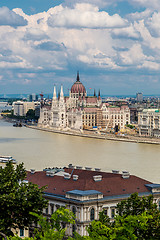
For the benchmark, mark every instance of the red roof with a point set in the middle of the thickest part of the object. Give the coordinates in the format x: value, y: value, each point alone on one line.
x: 111, y: 184
x: 91, y: 99
x: 90, y: 109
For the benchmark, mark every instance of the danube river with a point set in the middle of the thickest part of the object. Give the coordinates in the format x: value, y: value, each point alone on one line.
x: 38, y: 149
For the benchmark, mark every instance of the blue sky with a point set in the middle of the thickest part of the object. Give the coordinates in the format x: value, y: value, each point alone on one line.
x: 115, y: 45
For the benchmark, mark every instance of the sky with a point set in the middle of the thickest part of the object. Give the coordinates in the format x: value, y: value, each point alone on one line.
x: 114, y: 44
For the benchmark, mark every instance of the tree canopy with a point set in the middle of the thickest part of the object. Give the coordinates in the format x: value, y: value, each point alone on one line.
x: 18, y: 198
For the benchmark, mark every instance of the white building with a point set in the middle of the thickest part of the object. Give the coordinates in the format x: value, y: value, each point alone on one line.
x: 20, y: 108
x: 115, y: 116
x: 66, y: 112
x: 139, y: 97
x: 86, y: 192
x: 79, y: 111
x: 149, y: 122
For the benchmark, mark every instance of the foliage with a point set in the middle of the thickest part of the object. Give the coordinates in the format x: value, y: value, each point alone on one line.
x: 137, y: 218
x: 130, y: 126
x: 53, y: 229
x: 18, y: 198
x: 30, y: 114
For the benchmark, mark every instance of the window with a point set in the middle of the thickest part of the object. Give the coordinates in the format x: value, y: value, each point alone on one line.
x: 73, y: 229
x: 47, y: 210
x: 112, y: 213
x: 105, y: 212
x: 92, y: 213
x: 74, y: 210
x: 52, y: 209
x: 21, y: 232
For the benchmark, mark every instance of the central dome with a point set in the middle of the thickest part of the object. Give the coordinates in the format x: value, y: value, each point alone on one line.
x: 78, y: 87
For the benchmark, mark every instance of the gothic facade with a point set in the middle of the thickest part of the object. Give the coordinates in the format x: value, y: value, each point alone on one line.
x: 67, y: 112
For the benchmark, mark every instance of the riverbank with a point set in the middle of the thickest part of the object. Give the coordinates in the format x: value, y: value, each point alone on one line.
x: 88, y: 134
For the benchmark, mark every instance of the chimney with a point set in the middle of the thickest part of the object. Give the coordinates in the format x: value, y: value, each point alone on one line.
x: 32, y: 171
x: 97, y: 178
x: 88, y: 168
x: 75, y: 177
x: 78, y: 167
x: 67, y: 176
x: 125, y: 174
x: 115, y: 171
x: 97, y: 169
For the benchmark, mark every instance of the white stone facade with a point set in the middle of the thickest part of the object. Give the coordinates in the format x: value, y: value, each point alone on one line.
x: 149, y: 122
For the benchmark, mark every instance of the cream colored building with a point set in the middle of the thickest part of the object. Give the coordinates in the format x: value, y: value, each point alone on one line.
x: 113, y: 115
x: 149, y: 122
x: 20, y: 108
x: 87, y: 191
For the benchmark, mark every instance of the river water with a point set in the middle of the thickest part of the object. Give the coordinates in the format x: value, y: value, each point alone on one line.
x: 38, y: 149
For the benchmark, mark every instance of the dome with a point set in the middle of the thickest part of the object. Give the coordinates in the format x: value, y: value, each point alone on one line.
x: 78, y: 87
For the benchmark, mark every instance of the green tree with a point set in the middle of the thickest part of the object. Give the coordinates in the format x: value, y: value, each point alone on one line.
x: 137, y: 218
x: 55, y: 228
x: 18, y: 198
x: 30, y: 114
x: 138, y: 206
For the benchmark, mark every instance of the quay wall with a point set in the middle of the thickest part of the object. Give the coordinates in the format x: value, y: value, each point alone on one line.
x: 132, y: 139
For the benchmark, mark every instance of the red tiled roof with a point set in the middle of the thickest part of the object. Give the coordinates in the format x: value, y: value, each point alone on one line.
x: 111, y: 184
x: 91, y: 99
x: 90, y: 109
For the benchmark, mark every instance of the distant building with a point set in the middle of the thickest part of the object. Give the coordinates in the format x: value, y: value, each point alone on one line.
x: 86, y: 192
x: 139, y: 97
x: 20, y: 108
x: 149, y: 122
x: 32, y: 97
x: 79, y: 111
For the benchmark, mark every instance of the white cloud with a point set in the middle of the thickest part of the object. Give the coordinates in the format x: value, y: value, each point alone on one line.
x: 152, y: 4
x: 128, y: 32
x: 8, y: 17
x: 84, y: 16
x: 79, y: 37
x: 153, y: 24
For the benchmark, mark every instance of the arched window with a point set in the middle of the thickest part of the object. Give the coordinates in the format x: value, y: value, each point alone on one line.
x: 73, y: 229
x: 74, y: 210
x: 92, y: 214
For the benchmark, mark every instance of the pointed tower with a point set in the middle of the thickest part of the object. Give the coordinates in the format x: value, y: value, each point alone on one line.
x: 99, y: 95
x: 61, y: 94
x: 99, y: 101
x: 94, y: 93
x: 54, y: 99
x: 78, y: 79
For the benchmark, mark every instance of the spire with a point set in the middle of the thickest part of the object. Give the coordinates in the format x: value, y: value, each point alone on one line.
x: 54, y: 93
x: 94, y: 93
x: 61, y: 94
x: 99, y: 97
x: 78, y: 79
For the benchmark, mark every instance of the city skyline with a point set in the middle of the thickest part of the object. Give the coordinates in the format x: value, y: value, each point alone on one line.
x: 114, y: 44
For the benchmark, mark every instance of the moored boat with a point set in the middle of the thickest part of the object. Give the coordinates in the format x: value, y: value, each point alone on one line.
x: 5, y: 159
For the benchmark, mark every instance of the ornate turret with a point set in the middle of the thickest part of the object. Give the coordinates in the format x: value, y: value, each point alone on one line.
x: 78, y: 87
x: 99, y: 95
x: 78, y: 79
x: 54, y: 93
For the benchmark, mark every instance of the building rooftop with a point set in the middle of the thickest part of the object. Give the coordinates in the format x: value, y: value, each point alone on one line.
x: 88, y: 181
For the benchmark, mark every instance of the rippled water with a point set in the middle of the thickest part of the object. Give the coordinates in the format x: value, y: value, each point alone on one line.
x: 38, y: 149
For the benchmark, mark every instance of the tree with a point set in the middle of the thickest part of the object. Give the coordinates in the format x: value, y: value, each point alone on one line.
x: 137, y: 218
x: 30, y: 114
x: 141, y: 207
x: 18, y: 198
x: 55, y: 228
